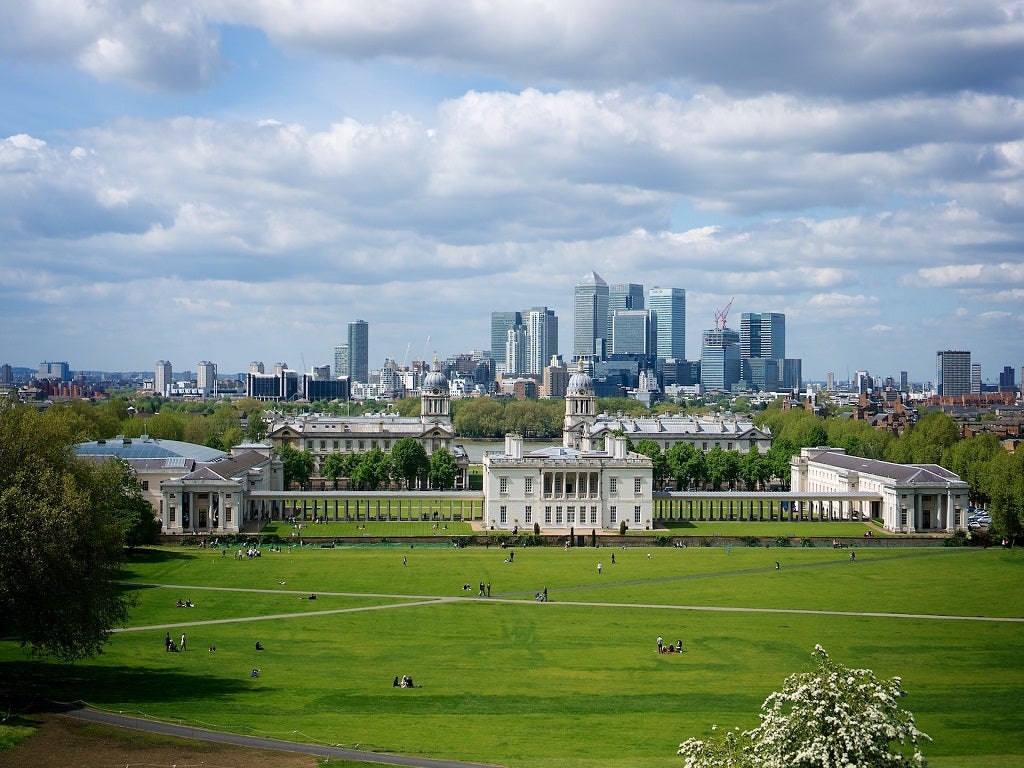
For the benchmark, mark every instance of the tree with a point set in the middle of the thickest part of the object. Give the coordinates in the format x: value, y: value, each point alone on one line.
x: 1005, y: 487
x: 717, y: 467
x: 61, y: 543
x: 118, y: 491
x: 755, y: 469
x: 334, y: 468
x: 926, y: 441
x: 443, y: 470
x: 371, y: 470
x: 652, y: 450
x: 409, y: 460
x: 298, y: 465
x: 479, y: 417
x: 832, y: 716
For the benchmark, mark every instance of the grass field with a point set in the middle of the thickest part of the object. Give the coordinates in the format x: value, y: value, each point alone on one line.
x: 573, y: 682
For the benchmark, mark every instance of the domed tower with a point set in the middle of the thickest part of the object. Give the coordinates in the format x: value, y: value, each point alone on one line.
x: 435, y: 399
x: 580, y: 408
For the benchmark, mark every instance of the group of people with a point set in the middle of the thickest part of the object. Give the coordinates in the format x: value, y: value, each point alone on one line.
x: 669, y: 647
x: 250, y: 552
x: 169, y: 645
x: 542, y: 596
x: 404, y: 682
x: 187, y: 604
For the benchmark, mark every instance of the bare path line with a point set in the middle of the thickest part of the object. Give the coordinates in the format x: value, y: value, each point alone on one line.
x: 259, y: 742
x: 420, y: 600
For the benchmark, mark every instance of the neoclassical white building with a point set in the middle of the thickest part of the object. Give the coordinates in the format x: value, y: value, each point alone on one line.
x: 912, y: 498
x: 563, y: 488
x: 585, y: 483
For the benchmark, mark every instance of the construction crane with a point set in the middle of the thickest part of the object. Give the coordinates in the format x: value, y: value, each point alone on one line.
x: 722, y: 314
x: 406, y: 358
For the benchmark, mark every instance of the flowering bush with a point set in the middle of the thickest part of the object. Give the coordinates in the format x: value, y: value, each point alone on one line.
x: 833, y: 717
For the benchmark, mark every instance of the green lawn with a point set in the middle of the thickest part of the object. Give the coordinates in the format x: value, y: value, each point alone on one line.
x: 573, y: 682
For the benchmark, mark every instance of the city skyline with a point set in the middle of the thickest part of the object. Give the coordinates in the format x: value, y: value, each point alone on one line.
x: 229, y: 182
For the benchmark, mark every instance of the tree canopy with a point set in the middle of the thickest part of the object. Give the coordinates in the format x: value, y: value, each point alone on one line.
x: 63, y: 524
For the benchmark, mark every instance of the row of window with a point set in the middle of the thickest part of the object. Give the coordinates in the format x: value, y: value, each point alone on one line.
x: 562, y: 484
x: 572, y: 515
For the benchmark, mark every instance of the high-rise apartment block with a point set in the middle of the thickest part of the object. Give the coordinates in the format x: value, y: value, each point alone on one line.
x: 669, y: 308
x: 163, y: 378
x: 501, y: 322
x: 976, y: 378
x: 523, y: 342
x: 359, y: 351
x: 590, y: 315
x: 541, y: 338
x: 953, y: 372
x: 206, y: 378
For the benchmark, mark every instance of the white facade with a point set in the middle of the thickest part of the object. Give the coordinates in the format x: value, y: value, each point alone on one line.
x: 559, y: 488
x: 914, y: 498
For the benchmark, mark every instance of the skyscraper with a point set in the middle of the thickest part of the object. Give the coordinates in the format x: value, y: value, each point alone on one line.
x: 359, y: 351
x: 763, y: 334
x: 975, y: 378
x: 541, y: 338
x: 622, y: 297
x: 634, y: 333
x: 163, y: 378
x: 953, y: 372
x: 590, y: 314
x: 340, y: 361
x: 515, y: 350
x: 669, y: 308
x: 206, y: 378
x: 719, y: 359
x: 500, y: 324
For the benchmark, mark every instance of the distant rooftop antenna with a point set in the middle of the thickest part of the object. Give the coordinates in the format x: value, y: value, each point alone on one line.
x: 722, y: 314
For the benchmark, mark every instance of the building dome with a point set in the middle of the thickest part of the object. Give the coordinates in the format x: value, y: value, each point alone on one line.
x: 435, y: 383
x: 580, y: 382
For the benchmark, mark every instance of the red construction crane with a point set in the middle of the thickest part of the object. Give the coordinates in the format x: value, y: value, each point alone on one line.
x: 722, y: 314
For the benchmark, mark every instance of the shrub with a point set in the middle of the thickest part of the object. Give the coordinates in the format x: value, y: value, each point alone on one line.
x: 536, y: 529
x: 806, y: 542
x: 662, y: 540
x: 623, y: 528
x: 782, y: 541
x: 958, y: 539
x: 752, y: 541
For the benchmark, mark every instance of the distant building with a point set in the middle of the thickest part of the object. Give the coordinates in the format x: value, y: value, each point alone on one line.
x: 56, y: 371
x: 590, y: 315
x: 634, y: 333
x: 914, y: 498
x: 567, y: 488
x: 359, y: 351
x: 206, y: 379
x: 163, y: 378
x: 623, y: 297
x: 669, y: 308
x: 953, y: 372
x: 1006, y: 380
x: 720, y: 359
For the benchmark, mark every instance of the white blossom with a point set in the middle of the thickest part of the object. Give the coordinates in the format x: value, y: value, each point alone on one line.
x: 829, y: 718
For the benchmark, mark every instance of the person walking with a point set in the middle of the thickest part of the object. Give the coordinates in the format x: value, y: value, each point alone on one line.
x: 661, y: 642
x: 598, y: 569
x: 183, y: 641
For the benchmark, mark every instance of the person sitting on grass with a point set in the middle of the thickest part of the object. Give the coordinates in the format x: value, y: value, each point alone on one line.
x: 259, y: 646
x: 255, y: 673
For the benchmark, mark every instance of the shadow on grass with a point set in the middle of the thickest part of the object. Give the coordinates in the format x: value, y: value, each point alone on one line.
x: 47, y: 685
x: 672, y: 526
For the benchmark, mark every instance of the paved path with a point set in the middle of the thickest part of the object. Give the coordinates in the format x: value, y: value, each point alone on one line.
x: 258, y: 742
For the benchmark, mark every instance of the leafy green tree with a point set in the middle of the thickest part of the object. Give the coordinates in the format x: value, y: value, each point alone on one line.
x: 166, y: 425
x: 1004, y: 485
x: 679, y: 466
x: 755, y: 469
x: 197, y: 430
x: 408, y: 406
x: 479, y: 417
x: 926, y: 441
x: 61, y: 544
x: 972, y: 460
x: 525, y: 417
x: 832, y: 716
x: 372, y: 470
x: 297, y: 465
x: 652, y: 450
x: 255, y: 426
x: 443, y: 470
x: 118, y: 488
x: 333, y: 468
x: 779, y: 456
x: 717, y: 464
x: 409, y: 461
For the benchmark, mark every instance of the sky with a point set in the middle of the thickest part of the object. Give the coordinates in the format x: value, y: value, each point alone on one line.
x: 237, y: 180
